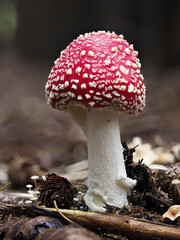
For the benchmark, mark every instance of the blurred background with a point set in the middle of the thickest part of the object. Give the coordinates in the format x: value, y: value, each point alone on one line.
x: 32, y: 34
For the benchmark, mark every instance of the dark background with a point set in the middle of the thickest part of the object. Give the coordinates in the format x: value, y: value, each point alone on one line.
x: 32, y: 34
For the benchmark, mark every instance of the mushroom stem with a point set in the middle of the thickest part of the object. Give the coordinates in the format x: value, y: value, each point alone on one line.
x: 79, y: 115
x: 107, y: 179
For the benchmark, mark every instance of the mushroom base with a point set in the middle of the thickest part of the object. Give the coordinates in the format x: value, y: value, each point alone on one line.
x: 107, y: 179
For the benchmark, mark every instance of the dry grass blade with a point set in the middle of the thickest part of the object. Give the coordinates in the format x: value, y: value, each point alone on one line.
x: 7, y: 185
x: 61, y: 214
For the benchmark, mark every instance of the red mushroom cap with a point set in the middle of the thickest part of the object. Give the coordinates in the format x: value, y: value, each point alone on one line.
x: 97, y: 70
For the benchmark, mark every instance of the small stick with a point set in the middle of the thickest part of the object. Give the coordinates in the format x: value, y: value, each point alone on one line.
x: 61, y: 214
x: 9, y: 217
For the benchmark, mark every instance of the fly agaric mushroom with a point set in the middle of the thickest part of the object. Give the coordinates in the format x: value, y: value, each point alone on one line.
x: 96, y: 78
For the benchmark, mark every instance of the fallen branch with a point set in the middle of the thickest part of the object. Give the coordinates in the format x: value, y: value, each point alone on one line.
x: 101, y: 223
x: 122, y: 225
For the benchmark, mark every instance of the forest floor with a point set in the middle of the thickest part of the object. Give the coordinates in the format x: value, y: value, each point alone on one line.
x: 32, y: 132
